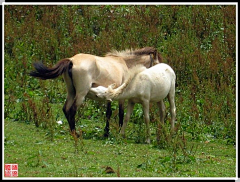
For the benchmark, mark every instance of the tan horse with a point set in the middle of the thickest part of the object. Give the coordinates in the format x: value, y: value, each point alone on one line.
x: 84, y: 71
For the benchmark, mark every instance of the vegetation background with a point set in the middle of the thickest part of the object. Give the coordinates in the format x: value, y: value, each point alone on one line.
x: 197, y: 41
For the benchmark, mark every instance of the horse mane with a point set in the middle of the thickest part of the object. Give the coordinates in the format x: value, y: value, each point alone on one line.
x: 128, y: 53
x: 145, y: 51
x: 112, y: 93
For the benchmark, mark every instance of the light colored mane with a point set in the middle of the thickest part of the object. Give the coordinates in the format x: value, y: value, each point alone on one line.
x: 130, y: 54
x: 124, y: 53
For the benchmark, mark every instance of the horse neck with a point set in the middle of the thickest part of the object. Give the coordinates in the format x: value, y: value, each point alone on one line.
x: 136, y: 60
x: 125, y: 91
x: 121, y: 92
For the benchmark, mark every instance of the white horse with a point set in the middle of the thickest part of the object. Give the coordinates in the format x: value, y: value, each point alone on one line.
x: 144, y: 86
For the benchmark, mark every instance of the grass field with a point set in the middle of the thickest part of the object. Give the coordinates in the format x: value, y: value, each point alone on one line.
x: 39, y: 156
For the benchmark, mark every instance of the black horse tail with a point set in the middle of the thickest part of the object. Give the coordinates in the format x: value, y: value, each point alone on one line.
x: 43, y: 72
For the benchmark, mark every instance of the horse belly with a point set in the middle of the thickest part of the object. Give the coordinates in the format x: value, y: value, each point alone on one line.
x: 156, y: 97
x: 159, y: 90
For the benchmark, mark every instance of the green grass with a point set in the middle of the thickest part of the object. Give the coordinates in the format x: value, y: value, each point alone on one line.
x: 39, y: 156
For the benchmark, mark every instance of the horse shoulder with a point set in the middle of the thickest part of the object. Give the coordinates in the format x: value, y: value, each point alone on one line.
x: 108, y: 71
x: 141, y: 83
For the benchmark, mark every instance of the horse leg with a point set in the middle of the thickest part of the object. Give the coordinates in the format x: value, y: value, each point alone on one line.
x: 146, y: 116
x: 162, y: 112
x: 71, y: 112
x: 129, y: 112
x: 108, y: 115
x: 69, y: 107
x: 171, y: 97
x: 121, y: 112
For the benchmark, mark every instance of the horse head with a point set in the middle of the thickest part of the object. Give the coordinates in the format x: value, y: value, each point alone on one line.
x: 99, y: 92
x: 152, y: 52
x: 103, y: 92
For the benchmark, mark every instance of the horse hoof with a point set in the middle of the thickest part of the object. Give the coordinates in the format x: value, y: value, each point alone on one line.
x: 106, y: 135
x: 76, y: 134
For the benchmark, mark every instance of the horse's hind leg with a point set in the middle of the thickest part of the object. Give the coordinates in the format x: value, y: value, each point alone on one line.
x: 69, y: 107
x: 162, y: 112
x: 70, y: 111
x: 171, y: 97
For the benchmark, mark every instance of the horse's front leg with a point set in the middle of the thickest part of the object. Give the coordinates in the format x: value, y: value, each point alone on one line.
x: 108, y: 116
x: 146, y: 115
x: 121, y: 112
x: 129, y: 112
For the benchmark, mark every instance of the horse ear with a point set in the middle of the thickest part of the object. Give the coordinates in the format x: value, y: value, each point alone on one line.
x: 153, y: 55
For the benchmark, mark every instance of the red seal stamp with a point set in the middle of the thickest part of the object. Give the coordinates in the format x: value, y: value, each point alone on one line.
x: 11, y: 170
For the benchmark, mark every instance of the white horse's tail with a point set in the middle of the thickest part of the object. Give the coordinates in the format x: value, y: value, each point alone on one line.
x: 113, y: 93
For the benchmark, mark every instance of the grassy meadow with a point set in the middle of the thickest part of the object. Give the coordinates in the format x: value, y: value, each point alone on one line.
x: 38, y: 156
x: 197, y: 41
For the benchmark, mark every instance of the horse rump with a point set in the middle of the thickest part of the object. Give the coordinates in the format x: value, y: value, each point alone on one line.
x: 43, y: 72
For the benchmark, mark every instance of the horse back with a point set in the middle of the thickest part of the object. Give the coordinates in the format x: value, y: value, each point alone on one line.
x: 156, y: 82
x: 99, y: 70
